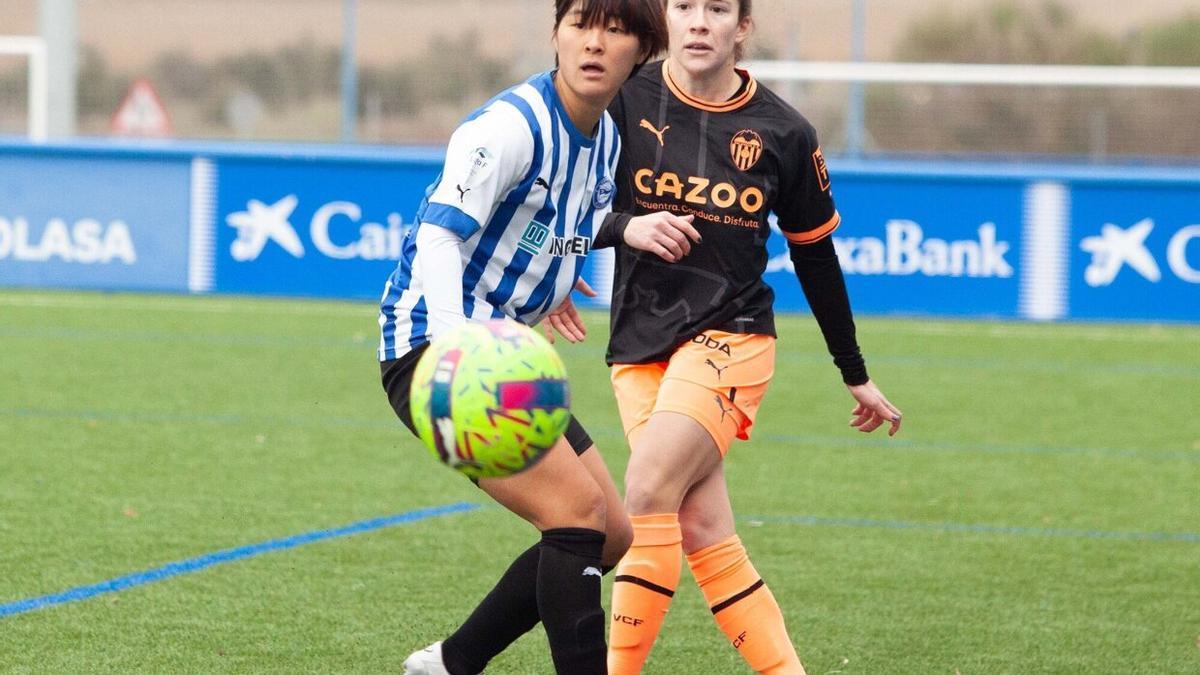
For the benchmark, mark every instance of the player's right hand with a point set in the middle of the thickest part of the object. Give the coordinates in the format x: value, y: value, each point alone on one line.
x: 664, y: 234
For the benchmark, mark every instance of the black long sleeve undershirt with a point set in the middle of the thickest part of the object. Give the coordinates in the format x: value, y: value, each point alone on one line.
x: 824, y: 286
x: 612, y: 230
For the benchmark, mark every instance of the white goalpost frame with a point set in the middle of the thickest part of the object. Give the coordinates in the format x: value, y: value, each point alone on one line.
x: 981, y: 74
x: 34, y: 49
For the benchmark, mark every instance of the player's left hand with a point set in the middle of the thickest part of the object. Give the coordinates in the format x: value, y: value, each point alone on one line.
x: 873, y: 409
x: 565, y: 318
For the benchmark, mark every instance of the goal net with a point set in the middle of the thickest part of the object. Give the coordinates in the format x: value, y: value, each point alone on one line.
x: 1090, y: 112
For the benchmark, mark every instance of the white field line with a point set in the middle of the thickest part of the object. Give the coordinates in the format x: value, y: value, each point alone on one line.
x: 185, y: 303
x: 1151, y: 333
x: 1155, y: 333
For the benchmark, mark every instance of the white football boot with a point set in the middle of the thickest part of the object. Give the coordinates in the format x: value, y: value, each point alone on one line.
x: 427, y: 661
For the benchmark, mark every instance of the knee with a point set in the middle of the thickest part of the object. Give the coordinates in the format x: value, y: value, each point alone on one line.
x: 647, y: 494
x: 586, y: 508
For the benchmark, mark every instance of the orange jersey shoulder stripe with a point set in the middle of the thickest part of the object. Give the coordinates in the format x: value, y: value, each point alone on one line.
x: 817, y: 234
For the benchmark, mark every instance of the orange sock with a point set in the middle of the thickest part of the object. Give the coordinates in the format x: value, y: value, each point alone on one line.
x: 744, y: 608
x: 642, y: 590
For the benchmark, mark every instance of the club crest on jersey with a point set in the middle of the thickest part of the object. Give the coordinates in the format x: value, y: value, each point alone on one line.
x: 746, y: 148
x: 603, y: 195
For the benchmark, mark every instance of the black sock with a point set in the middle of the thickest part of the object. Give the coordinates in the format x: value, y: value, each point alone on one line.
x: 509, y: 611
x: 568, y: 600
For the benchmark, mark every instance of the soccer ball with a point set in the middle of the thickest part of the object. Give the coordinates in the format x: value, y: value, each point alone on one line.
x: 489, y: 399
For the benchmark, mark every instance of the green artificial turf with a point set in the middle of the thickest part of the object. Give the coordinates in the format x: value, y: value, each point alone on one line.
x: 1038, y: 513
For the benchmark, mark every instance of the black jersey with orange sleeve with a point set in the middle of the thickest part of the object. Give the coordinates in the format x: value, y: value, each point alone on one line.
x: 730, y: 165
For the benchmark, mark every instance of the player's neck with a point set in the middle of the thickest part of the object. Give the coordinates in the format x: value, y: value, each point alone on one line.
x: 716, y: 85
x: 584, y: 114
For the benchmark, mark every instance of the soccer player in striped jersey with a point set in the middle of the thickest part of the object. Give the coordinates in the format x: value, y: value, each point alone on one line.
x: 504, y: 231
x: 692, y: 346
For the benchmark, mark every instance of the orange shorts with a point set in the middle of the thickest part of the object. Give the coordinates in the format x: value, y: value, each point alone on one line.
x: 717, y: 379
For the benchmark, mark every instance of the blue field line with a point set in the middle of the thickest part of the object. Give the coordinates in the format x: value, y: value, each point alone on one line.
x: 851, y: 440
x: 229, y: 555
x: 1066, y: 533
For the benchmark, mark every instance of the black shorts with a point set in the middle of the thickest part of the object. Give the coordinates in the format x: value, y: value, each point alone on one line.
x: 397, y: 377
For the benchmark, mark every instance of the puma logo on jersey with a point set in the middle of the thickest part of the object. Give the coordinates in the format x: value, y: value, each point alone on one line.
x: 657, y: 134
x: 714, y: 367
x: 541, y: 182
x: 591, y: 572
x: 721, y: 405
x: 462, y: 194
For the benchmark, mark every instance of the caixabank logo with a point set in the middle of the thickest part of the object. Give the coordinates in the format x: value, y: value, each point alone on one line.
x: 261, y: 224
x: 1145, y: 269
x: 1116, y: 249
x: 1135, y: 252
x: 921, y: 248
x: 326, y: 231
x: 907, y: 265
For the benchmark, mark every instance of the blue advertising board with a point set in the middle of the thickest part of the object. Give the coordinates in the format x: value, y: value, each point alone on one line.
x: 1009, y: 241
x: 1138, y: 252
x: 907, y: 245
x: 322, y: 229
x: 100, y: 223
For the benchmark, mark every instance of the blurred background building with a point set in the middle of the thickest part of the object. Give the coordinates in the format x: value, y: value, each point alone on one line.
x: 271, y: 69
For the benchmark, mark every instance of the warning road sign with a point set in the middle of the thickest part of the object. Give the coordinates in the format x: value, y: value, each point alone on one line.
x: 141, y: 113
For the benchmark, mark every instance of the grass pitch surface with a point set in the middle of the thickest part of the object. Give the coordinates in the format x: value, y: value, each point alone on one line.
x: 1039, y: 511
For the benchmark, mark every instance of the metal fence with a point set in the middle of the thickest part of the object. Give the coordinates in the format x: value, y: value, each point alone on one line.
x: 274, y: 69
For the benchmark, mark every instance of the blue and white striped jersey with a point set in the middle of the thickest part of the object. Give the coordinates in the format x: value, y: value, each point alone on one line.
x: 525, y: 190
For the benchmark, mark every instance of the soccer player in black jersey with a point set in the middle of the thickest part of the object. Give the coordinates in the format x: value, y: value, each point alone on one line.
x: 693, y: 343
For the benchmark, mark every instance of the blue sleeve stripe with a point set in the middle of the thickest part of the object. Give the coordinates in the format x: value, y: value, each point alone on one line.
x: 451, y: 218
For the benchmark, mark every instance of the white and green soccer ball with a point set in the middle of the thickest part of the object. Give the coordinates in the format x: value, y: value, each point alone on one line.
x: 489, y: 399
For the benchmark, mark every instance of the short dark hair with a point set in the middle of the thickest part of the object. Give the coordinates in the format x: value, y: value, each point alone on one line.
x: 642, y: 18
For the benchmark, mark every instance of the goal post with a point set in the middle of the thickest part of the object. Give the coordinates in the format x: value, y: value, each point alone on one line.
x: 38, y: 94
